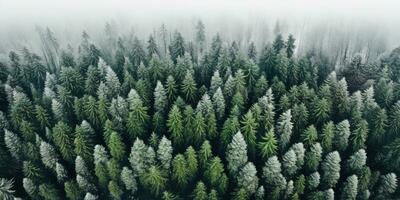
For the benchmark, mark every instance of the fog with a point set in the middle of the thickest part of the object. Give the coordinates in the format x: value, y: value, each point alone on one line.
x: 368, y: 27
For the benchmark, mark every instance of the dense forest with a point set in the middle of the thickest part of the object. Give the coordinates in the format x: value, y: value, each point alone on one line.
x: 168, y: 117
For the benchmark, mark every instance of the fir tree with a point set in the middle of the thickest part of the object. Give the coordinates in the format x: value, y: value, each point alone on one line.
x: 268, y: 145
x: 331, y: 169
x: 164, y: 153
x: 236, y: 154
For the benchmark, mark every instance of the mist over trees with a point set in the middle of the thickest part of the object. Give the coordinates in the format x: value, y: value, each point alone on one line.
x: 173, y: 115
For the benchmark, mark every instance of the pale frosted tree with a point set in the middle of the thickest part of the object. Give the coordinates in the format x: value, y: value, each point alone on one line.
x: 85, y: 184
x: 260, y: 194
x: 58, y: 109
x: 164, y: 153
x: 81, y: 167
x: 289, y: 163
x: 6, y: 191
x: 149, y: 156
x: 13, y: 143
x: 119, y: 108
x: 30, y: 188
x: 357, y: 161
x: 313, y: 180
x: 216, y: 82
x: 350, y: 188
x: 247, y: 178
x: 342, y: 135
x: 160, y: 98
x: 284, y: 128
x: 48, y: 155
x: 329, y: 194
x: 272, y: 173
x: 236, y: 154
x: 205, y: 106
x: 61, y: 172
x: 331, y: 169
x: 219, y: 103
x: 100, y: 154
x: 90, y: 196
x: 299, y: 150
x: 129, y: 179
x: 112, y: 82
x: 137, y: 156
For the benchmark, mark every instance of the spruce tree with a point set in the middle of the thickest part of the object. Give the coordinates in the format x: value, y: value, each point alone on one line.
x: 236, y: 154
x: 331, y: 169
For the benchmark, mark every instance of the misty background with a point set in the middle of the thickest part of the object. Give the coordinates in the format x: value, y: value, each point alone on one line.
x: 339, y: 29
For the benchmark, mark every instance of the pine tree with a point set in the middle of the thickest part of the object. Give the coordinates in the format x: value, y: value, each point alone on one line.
x: 236, y: 154
x: 249, y: 130
x: 359, y: 135
x: 350, y: 188
x: 129, y: 179
x: 175, y: 126
x: 342, y: 135
x: 160, y: 98
x: 328, y: 134
x: 290, y: 46
x: 192, y: 163
x: 154, y: 180
x: 6, y: 191
x: 313, y: 157
x: 13, y: 143
x: 117, y: 147
x: 48, y: 155
x: 137, y: 156
x: 310, y: 136
x: 72, y: 190
x: 357, y: 161
x: 171, y: 89
x: 30, y: 188
x: 177, y: 47
x: 188, y: 87
x: 331, y: 169
x: 388, y: 185
x: 180, y: 171
x: 285, y: 129
x: 313, y: 180
x: 289, y: 163
x: 164, y: 153
x: 268, y: 145
x: 199, y: 192
x: 247, y: 178
x: 215, y: 175
x: 100, y: 161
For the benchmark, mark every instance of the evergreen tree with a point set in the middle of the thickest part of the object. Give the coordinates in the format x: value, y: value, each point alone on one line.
x: 164, y: 153
x: 247, y: 178
x: 285, y: 129
x: 331, y: 169
x: 154, y: 180
x: 188, y: 87
x: 236, y: 154
x: 117, y: 147
x: 175, y: 126
x: 249, y: 130
x: 6, y: 191
x: 268, y: 145
x: 350, y: 188
x: 342, y: 135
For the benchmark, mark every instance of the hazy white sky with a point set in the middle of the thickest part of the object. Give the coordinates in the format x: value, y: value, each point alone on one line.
x: 19, y: 17
x: 28, y: 11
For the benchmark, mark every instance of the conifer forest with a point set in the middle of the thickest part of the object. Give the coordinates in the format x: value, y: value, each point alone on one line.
x: 173, y: 116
